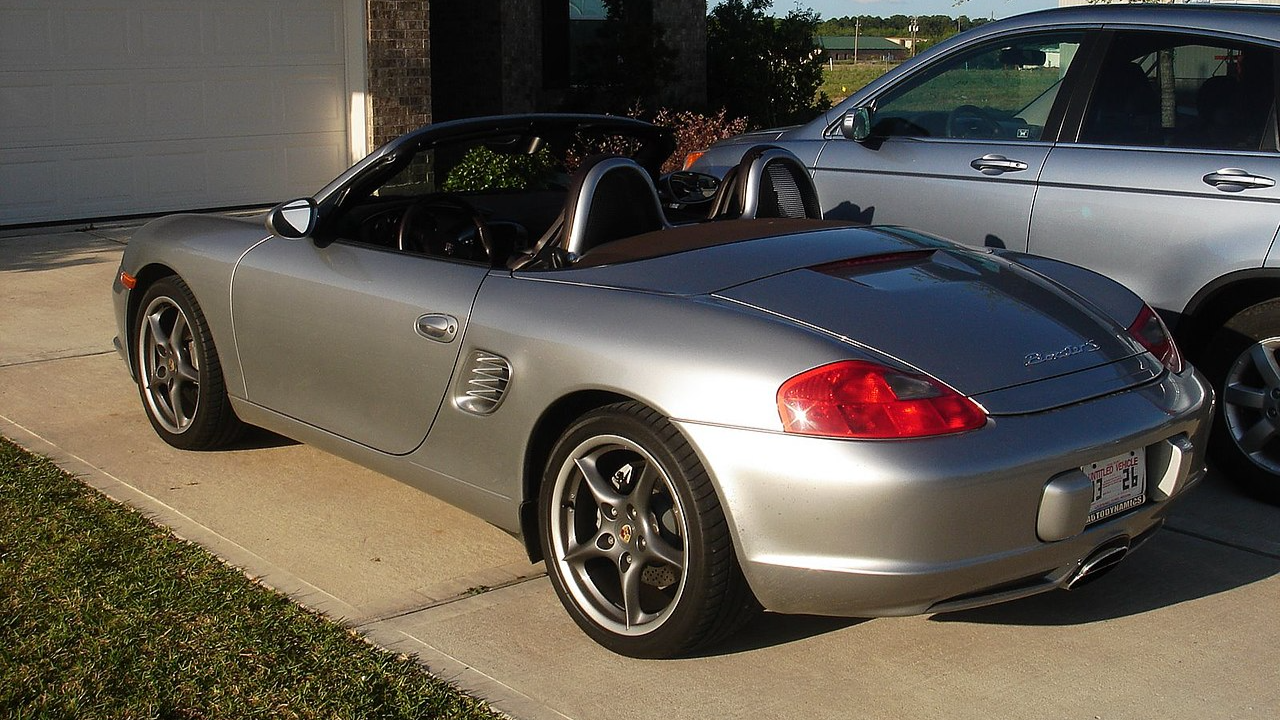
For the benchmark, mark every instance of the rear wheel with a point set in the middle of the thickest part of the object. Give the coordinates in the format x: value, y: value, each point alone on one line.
x: 1244, y: 361
x: 179, y: 376
x: 636, y: 543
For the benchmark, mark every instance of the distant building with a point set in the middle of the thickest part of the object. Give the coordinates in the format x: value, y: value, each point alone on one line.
x: 844, y: 48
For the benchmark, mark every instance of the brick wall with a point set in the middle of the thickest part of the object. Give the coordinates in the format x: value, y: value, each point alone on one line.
x: 399, y: 66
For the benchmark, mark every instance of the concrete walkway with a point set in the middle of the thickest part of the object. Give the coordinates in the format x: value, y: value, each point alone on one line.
x: 1189, y: 627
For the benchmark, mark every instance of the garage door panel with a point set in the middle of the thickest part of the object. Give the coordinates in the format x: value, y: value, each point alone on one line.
x: 172, y: 109
x: 311, y: 32
x: 242, y: 31
x: 305, y: 161
x: 117, y: 107
x: 24, y: 33
x: 25, y: 182
x: 25, y: 111
x: 99, y: 182
x: 96, y: 37
x: 312, y: 103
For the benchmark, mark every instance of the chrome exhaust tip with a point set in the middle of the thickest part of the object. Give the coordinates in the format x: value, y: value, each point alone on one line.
x: 1099, y: 562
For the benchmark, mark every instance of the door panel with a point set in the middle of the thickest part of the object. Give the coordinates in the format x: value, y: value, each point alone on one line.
x: 932, y: 185
x: 957, y: 147
x: 1173, y: 180
x: 1148, y: 219
x: 331, y: 336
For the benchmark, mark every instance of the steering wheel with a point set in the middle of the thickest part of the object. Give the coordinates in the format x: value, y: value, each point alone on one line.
x: 971, y: 121
x: 425, y: 227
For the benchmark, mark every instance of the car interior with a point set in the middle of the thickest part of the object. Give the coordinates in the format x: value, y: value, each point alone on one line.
x: 1175, y: 91
x: 546, y: 201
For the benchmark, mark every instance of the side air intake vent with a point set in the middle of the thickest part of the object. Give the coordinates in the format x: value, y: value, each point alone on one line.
x: 481, y: 389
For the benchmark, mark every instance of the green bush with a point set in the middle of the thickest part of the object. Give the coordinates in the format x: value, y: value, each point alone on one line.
x: 483, y: 169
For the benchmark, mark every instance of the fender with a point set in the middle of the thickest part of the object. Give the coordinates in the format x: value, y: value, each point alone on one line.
x: 1217, y: 301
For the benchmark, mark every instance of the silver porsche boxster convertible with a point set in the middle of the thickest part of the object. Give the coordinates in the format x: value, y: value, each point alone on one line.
x: 692, y: 398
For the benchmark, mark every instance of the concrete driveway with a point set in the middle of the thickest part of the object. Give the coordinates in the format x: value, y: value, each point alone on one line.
x: 1189, y: 627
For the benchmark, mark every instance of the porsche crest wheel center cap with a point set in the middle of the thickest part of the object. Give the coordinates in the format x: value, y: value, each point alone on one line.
x: 625, y: 534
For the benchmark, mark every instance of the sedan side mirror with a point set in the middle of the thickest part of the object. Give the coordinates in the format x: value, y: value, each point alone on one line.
x: 856, y: 124
x: 293, y: 219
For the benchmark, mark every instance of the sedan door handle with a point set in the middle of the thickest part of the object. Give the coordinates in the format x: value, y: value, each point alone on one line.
x: 439, y: 327
x: 1235, y: 180
x: 997, y: 165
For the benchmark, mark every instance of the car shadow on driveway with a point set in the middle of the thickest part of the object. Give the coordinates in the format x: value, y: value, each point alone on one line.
x: 255, y: 438
x: 772, y: 630
x: 1171, y: 569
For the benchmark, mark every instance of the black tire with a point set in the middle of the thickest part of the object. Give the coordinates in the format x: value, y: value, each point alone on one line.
x: 1243, y: 361
x: 179, y: 375
x: 636, y: 543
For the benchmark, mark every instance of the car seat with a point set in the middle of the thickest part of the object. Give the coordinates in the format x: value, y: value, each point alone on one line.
x: 768, y: 182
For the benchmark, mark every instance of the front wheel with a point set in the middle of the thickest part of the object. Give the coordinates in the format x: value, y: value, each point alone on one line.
x: 636, y: 544
x: 1244, y: 362
x: 179, y: 376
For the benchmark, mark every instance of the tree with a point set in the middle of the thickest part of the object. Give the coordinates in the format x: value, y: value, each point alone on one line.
x: 763, y: 68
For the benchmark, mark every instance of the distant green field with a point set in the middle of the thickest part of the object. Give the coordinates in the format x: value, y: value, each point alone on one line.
x: 844, y: 79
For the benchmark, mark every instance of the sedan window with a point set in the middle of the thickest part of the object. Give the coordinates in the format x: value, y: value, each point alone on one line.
x: 1166, y: 90
x: 1003, y: 90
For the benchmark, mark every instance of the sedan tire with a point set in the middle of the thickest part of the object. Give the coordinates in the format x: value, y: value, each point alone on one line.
x: 179, y: 375
x: 1244, y: 361
x: 636, y: 543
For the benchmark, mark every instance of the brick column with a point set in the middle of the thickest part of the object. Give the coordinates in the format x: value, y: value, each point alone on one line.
x: 399, y: 68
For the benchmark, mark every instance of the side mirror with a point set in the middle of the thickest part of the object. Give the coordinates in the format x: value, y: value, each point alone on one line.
x: 294, y: 219
x: 686, y: 187
x: 856, y: 124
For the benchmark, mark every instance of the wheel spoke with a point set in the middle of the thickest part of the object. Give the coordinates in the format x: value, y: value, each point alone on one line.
x: 177, y: 333
x: 659, y: 549
x: 577, y: 554
x: 599, y: 486
x: 188, y: 373
x: 159, y: 339
x: 162, y: 393
x: 1265, y: 362
x: 1244, y: 396
x: 1257, y: 436
x: 642, y: 495
x: 631, y: 584
x: 175, y: 401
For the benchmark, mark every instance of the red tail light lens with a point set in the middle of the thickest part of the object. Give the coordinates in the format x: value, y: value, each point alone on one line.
x: 1150, y: 332
x: 859, y: 399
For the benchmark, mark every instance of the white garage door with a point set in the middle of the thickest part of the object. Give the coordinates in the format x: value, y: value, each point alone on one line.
x: 117, y: 107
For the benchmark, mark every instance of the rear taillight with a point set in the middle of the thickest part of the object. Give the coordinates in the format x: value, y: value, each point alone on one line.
x: 859, y: 399
x: 1150, y: 332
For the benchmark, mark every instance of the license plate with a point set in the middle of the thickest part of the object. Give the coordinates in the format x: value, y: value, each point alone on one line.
x: 1119, y: 483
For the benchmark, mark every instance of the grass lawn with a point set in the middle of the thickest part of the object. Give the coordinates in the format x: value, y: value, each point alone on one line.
x: 105, y: 615
x: 844, y: 79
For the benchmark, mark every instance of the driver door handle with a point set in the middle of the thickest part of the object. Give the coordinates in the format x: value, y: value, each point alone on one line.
x: 1235, y: 180
x: 997, y: 165
x: 439, y: 327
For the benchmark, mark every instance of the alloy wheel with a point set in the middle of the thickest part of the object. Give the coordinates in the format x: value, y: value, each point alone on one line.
x: 618, y: 535
x: 168, y: 365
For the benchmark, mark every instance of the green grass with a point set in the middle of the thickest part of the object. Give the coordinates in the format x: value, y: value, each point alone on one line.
x: 105, y: 615
x: 842, y: 80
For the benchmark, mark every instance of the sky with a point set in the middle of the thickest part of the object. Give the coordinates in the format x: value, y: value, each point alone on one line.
x: 973, y: 8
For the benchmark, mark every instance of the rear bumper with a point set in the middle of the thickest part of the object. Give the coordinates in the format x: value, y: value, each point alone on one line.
x: 858, y: 528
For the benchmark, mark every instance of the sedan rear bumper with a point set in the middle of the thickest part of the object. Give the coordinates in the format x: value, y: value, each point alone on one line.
x: 880, y: 528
